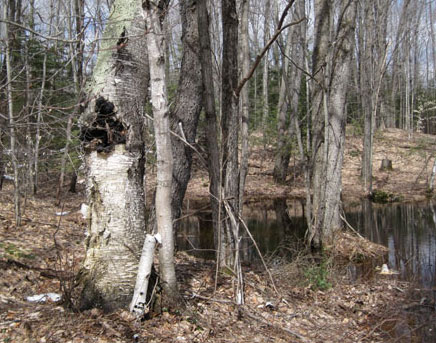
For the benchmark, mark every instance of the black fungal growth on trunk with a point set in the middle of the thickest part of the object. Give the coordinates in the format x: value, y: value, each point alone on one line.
x: 105, y: 130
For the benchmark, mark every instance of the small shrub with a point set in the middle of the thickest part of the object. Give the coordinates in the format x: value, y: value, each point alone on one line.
x: 317, y: 277
x: 382, y: 197
x: 355, y: 153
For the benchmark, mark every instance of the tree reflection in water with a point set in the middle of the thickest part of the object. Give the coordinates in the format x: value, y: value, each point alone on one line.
x: 409, y: 230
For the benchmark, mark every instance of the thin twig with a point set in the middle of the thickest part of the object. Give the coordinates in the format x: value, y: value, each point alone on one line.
x: 277, y: 327
x: 262, y: 53
x: 350, y: 227
x: 203, y: 161
x: 223, y: 301
x: 260, y: 255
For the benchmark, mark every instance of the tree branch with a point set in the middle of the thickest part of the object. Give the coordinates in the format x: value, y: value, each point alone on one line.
x: 266, y: 48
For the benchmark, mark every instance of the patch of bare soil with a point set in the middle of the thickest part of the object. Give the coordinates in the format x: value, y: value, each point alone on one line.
x: 44, y: 254
x: 412, y: 159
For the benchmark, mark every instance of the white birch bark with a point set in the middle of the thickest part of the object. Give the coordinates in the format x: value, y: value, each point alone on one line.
x: 139, y: 300
x: 116, y: 173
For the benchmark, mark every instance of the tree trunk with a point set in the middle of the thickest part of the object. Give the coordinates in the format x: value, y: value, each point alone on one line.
x: 329, y: 120
x: 290, y: 93
x: 2, y: 166
x: 244, y: 58
x: 211, y: 117
x: 230, y: 128
x: 432, y: 176
x: 12, y: 129
x: 230, y: 237
x: 265, y: 71
x: 283, y: 152
x: 112, y: 135
x: 184, y: 116
x: 159, y: 99
x: 76, y: 55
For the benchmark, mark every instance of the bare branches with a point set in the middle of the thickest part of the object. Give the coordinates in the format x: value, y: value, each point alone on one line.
x: 259, y: 57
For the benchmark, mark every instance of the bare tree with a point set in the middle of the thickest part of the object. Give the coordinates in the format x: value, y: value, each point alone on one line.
x: 11, y: 122
x: 372, y: 53
x: 265, y: 69
x: 290, y: 88
x: 212, y: 130
x: 187, y: 105
x: 244, y: 53
x: 159, y: 99
x: 77, y: 56
x: 331, y: 70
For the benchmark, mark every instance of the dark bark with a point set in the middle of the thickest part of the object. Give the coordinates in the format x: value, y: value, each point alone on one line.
x: 184, y: 116
x: 73, y: 183
x: 210, y: 112
x: 230, y: 130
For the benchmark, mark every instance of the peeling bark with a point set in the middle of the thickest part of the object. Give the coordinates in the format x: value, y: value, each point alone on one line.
x: 112, y: 135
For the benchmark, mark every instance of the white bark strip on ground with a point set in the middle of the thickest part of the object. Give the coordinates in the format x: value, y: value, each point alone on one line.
x: 139, y: 304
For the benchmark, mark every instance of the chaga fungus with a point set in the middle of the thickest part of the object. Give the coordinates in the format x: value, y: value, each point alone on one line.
x: 105, y: 131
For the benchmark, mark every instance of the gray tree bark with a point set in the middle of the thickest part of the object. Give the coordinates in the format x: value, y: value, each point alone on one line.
x: 372, y: 64
x: 76, y: 53
x: 159, y: 99
x: 112, y: 135
x: 265, y: 70
x: 331, y: 67
x: 244, y: 58
x: 230, y: 129
x: 290, y: 93
x: 11, y: 121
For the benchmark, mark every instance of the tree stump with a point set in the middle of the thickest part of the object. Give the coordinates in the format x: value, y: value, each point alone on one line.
x: 386, y: 165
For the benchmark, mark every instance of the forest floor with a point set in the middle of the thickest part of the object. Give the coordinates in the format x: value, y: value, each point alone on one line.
x: 412, y: 160
x: 307, y: 302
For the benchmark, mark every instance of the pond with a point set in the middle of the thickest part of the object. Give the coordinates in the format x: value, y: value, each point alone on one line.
x: 408, y: 230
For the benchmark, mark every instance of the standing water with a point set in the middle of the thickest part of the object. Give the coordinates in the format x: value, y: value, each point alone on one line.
x: 408, y: 230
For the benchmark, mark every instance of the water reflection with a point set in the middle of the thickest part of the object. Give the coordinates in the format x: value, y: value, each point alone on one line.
x: 271, y: 226
x: 409, y: 230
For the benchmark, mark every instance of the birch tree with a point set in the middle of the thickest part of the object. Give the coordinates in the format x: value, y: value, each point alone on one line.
x: 112, y: 135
